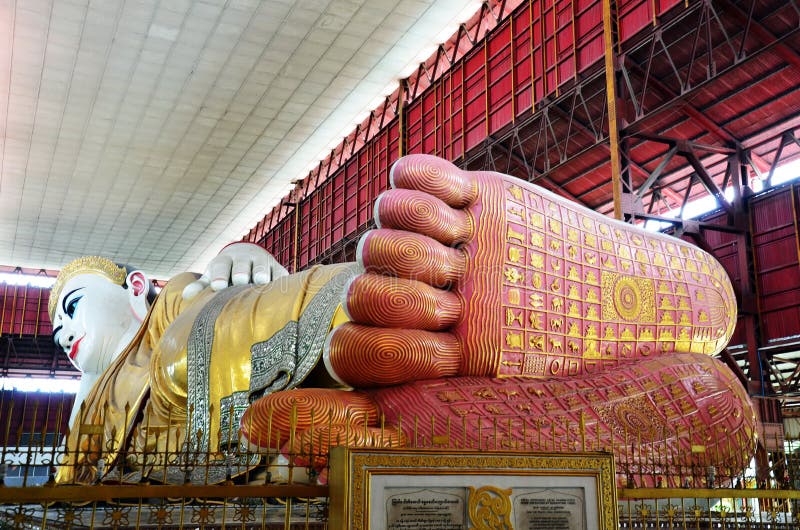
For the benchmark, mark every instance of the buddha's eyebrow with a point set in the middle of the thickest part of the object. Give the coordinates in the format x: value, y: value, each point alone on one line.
x: 64, y: 300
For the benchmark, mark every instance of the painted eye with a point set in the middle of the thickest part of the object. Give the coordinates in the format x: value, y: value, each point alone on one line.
x: 72, y: 305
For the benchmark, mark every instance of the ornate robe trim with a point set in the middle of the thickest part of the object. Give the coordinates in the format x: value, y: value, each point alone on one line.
x: 198, y: 359
x: 231, y: 410
x: 284, y: 360
x: 273, y: 362
x: 197, y: 468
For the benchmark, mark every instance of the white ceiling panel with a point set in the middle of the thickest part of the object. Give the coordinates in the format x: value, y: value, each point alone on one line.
x: 155, y: 132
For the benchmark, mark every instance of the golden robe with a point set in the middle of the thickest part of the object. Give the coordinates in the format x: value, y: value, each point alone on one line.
x: 195, y: 366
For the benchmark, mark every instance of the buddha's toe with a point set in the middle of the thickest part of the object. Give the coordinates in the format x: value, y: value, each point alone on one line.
x: 367, y: 356
x: 400, y: 303
x: 435, y: 176
x: 410, y: 255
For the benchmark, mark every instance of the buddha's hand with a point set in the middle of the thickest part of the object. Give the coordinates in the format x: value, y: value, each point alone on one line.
x: 482, y: 274
x: 237, y: 264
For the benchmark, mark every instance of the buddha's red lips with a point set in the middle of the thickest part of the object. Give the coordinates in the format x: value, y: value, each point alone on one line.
x: 74, y: 351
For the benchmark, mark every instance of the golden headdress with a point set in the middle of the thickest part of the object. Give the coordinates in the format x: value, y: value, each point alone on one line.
x: 86, y: 265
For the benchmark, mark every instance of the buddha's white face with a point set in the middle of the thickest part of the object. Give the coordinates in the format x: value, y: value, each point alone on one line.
x: 94, y: 321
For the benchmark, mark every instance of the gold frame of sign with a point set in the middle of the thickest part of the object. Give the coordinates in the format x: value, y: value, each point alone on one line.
x: 415, y: 489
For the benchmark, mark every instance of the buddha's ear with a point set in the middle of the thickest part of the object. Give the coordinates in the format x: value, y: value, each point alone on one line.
x: 138, y: 287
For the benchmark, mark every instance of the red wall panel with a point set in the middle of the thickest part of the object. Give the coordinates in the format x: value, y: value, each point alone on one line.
x: 538, y: 56
x: 33, y: 413
x: 589, y: 25
x: 364, y: 197
x: 385, y: 151
x: 565, y: 49
x: 350, y: 196
x: 430, y: 110
x: 500, y: 78
x: 414, y: 127
x: 278, y: 241
x: 341, y: 205
x: 309, y: 222
x: 527, y: 57
x: 635, y: 15
x: 522, y: 63
x: 23, y: 310
x: 453, y: 119
x: 475, y: 126
x: 775, y: 256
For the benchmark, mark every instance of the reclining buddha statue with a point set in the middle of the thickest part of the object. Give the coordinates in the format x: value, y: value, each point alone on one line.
x: 479, y: 301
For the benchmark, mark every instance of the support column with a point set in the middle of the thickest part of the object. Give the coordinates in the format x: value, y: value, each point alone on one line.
x: 610, y: 40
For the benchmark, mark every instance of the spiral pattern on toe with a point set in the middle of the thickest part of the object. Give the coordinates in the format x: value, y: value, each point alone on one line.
x: 270, y: 418
x: 422, y: 213
x: 412, y: 256
x: 393, y: 356
x: 399, y: 303
x: 436, y: 176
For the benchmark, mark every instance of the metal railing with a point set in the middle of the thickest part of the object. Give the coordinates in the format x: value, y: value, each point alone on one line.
x: 661, y: 483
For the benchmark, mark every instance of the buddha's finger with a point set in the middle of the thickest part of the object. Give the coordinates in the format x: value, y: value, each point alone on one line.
x: 410, y: 255
x: 423, y: 213
x: 242, y: 272
x: 191, y: 290
x: 266, y: 269
x: 435, y: 176
x: 271, y: 420
x: 366, y: 356
x: 219, y: 272
x: 400, y: 303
